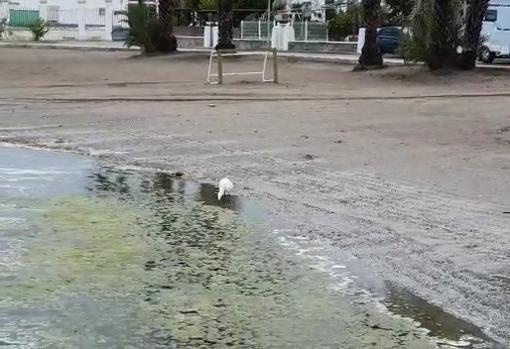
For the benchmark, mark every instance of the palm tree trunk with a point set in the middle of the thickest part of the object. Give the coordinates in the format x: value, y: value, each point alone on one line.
x: 474, y: 21
x: 225, y: 24
x: 167, y: 41
x: 370, y: 54
x: 443, y: 36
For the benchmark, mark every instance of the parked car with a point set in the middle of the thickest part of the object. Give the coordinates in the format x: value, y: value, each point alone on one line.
x: 495, y: 32
x: 388, y: 39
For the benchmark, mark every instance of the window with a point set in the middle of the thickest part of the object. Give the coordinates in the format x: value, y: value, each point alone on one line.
x: 491, y: 16
x: 52, y: 14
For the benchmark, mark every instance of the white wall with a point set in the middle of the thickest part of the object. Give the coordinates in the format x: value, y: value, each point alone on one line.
x: 56, y: 34
x: 68, y: 4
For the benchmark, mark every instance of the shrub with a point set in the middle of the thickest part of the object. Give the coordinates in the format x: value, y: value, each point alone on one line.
x: 278, y: 5
x: 208, y: 4
x: 5, y: 32
x: 3, y: 27
x: 340, y: 26
x: 436, y: 34
x: 39, y: 28
x: 415, y: 47
x: 143, y: 28
x: 399, y: 10
x: 345, y: 23
x: 147, y: 31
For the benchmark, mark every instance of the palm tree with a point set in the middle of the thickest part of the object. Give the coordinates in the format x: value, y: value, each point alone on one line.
x: 474, y: 20
x: 444, y: 36
x: 225, y: 23
x: 167, y: 41
x: 370, y: 54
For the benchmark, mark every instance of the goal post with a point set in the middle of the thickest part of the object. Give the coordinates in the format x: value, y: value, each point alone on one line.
x: 218, y: 58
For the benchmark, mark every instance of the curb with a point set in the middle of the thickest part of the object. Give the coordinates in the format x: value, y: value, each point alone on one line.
x: 352, y: 60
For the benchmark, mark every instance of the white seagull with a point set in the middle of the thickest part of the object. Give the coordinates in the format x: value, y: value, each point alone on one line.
x: 225, y: 187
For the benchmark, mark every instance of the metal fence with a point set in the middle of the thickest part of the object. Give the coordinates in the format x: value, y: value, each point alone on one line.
x: 22, y: 17
x: 256, y: 29
x: 95, y: 17
x: 195, y: 17
x: 66, y: 17
x: 311, y: 31
x: 304, y: 31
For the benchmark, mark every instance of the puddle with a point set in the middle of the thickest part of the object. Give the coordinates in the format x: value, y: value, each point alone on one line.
x: 366, y: 288
x: 439, y: 323
x: 92, y: 257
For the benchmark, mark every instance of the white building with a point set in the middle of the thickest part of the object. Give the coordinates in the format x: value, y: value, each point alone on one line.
x: 66, y: 4
x: 66, y: 12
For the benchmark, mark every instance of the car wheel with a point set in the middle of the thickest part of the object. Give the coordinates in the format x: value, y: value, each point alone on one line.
x: 486, y: 56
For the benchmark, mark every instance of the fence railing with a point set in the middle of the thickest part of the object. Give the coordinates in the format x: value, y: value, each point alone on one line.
x: 194, y: 17
x: 95, y: 17
x: 304, y: 31
x: 256, y: 29
x: 22, y: 17
x: 66, y: 17
x: 311, y: 31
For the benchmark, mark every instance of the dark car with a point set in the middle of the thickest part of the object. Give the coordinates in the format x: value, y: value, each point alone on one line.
x: 388, y: 39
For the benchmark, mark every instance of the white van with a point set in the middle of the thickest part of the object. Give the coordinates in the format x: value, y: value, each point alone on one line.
x: 496, y: 32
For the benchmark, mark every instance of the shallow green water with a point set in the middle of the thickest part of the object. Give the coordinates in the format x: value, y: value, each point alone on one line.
x: 96, y: 258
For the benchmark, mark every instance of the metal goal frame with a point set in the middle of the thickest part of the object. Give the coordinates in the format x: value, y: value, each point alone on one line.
x: 217, y: 78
